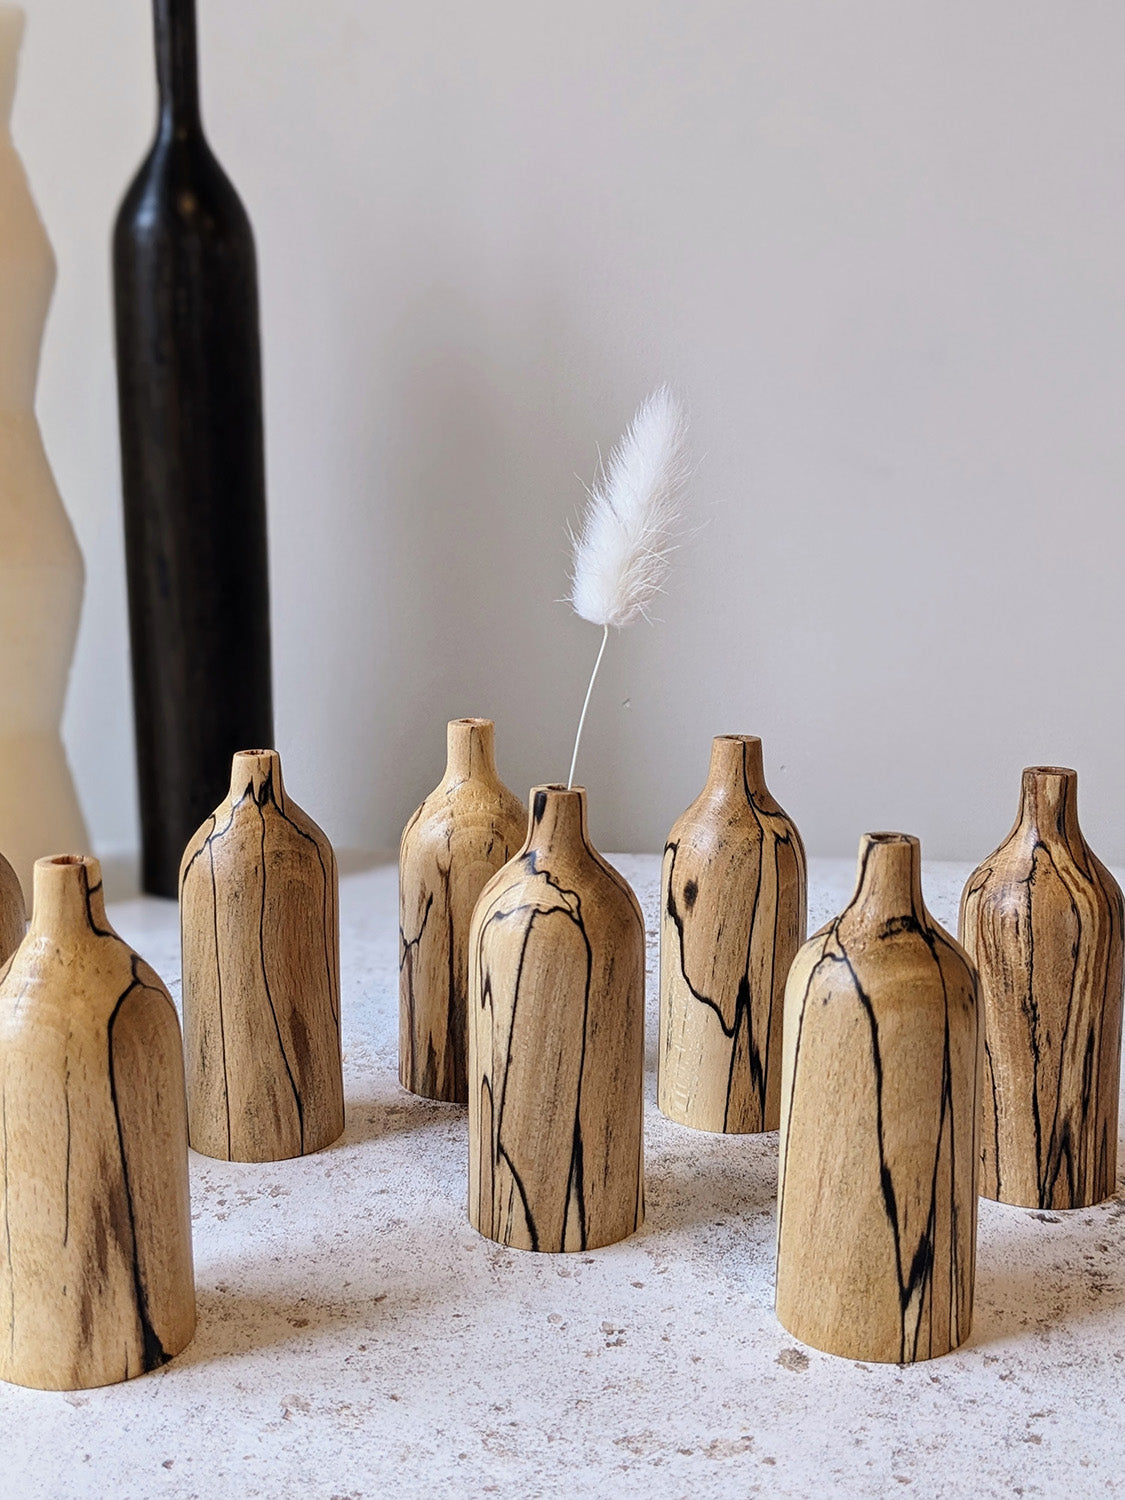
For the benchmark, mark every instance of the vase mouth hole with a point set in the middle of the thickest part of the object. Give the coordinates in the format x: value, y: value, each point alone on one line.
x: 1049, y: 771
x: 257, y: 754
x: 889, y: 838
x: 561, y: 786
x: 473, y: 723
x: 69, y: 859
x: 739, y: 739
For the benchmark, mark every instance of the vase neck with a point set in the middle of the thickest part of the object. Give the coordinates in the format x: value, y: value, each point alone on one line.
x: 11, y: 36
x: 67, y: 897
x: 1049, y: 804
x: 556, y: 819
x: 257, y: 774
x: 177, y: 70
x: 470, y: 754
x: 736, y: 765
x: 889, y: 878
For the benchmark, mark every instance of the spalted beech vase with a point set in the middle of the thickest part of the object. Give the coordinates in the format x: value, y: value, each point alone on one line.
x: 1042, y: 920
x: 260, y: 928
x: 556, y: 1041
x: 733, y: 905
x: 13, y: 912
x: 467, y: 827
x: 877, y: 1199
x: 95, y: 1256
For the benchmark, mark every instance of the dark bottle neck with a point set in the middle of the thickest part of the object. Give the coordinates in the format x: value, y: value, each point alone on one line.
x: 176, y: 69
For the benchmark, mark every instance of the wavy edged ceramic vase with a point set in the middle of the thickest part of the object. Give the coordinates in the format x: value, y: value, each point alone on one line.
x: 41, y: 573
x: 260, y: 932
x: 556, y: 1041
x: 877, y: 1196
x: 467, y: 827
x: 95, y: 1262
x: 1042, y: 920
x: 732, y: 916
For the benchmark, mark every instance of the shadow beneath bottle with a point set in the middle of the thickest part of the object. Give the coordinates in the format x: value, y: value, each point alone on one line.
x: 1042, y: 1271
x: 379, y: 1119
x: 693, y: 1177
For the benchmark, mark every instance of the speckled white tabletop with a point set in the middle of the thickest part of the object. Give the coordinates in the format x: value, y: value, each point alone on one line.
x: 357, y: 1339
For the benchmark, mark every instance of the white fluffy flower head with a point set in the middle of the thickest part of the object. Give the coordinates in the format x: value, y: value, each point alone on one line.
x: 624, y: 545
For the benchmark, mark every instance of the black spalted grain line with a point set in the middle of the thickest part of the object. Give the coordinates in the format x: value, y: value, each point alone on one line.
x: 995, y: 1111
x: 219, y: 987
x: 825, y: 958
x: 66, y: 1179
x: 269, y: 795
x: 454, y: 1079
x: 498, y: 1151
x: 153, y: 1352
x: 677, y: 921
x: 406, y: 966
x: 269, y: 993
x: 886, y: 1180
x: 1058, y: 1142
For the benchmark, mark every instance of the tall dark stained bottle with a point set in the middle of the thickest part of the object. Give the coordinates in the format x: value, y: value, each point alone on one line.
x: 193, y: 468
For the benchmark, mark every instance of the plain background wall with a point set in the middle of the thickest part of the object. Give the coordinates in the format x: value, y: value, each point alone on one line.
x: 878, y: 247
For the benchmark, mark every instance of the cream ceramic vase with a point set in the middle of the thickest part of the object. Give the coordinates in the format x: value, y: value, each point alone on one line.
x: 41, y: 571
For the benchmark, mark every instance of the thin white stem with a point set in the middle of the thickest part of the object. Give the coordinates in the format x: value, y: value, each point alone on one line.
x: 585, y: 706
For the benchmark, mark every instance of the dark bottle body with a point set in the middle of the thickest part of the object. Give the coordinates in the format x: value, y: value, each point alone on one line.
x: 193, y: 468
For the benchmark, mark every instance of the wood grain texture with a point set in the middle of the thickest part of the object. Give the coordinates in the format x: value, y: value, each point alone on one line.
x: 96, y: 1278
x: 1042, y: 918
x: 467, y: 827
x: 260, y: 929
x: 13, y: 912
x: 733, y: 914
x: 877, y: 1199
x: 556, y: 1041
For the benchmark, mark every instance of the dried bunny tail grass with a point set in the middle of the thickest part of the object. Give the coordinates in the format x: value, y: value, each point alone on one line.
x: 623, y: 548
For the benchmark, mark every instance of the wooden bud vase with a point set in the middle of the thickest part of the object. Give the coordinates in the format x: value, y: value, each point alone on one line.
x: 467, y: 827
x: 13, y: 912
x: 877, y: 1198
x: 96, y: 1278
x: 1042, y: 920
x: 260, y: 929
x: 556, y: 1041
x: 733, y: 911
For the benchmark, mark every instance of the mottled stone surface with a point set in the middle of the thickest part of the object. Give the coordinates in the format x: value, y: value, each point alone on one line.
x: 358, y: 1339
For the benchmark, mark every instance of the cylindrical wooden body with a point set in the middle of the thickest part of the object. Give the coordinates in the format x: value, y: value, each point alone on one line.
x: 192, y: 463
x: 1042, y: 920
x: 877, y: 1197
x: 95, y: 1259
x: 467, y: 827
x: 733, y: 912
x: 260, y: 929
x: 556, y: 1041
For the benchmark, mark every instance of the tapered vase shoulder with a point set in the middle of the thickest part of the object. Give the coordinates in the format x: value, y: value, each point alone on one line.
x: 878, y: 1177
x: 556, y: 1041
x: 466, y: 829
x: 1042, y: 919
x: 96, y: 1281
x: 733, y: 914
x: 260, y: 930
